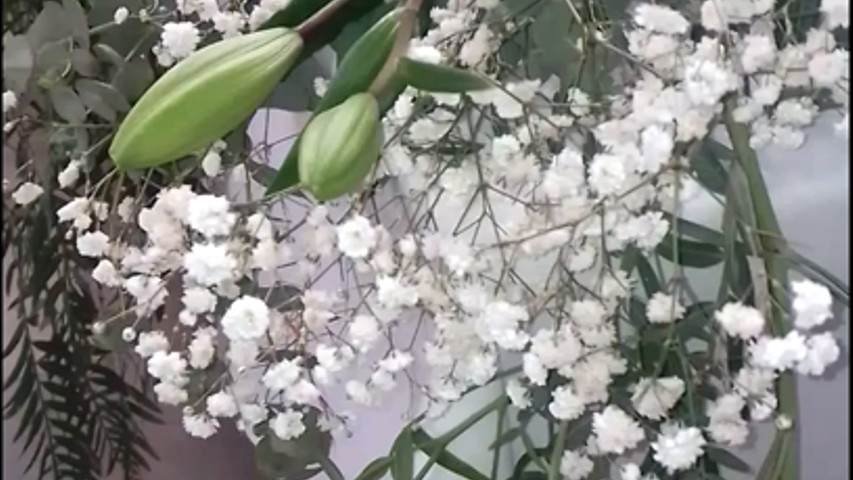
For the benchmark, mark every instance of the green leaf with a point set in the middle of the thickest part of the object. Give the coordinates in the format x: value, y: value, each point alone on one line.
x: 133, y: 78
x: 298, y: 11
x: 375, y: 470
x: 727, y: 459
x: 96, y: 104
x: 650, y: 281
x: 49, y: 26
x: 439, y: 78
x: 108, y: 94
x: 690, y: 253
x: 403, y: 456
x: 449, y: 461
x: 508, y: 436
x: 76, y: 18
x: 17, y: 63
x: 708, y: 169
x: 107, y: 54
x: 67, y: 104
x: 354, y: 30
x: 529, y: 476
x: 276, y: 466
x: 84, y: 63
x: 354, y: 75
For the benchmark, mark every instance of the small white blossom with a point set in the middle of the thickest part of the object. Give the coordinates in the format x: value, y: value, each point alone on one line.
x: 356, y: 237
x: 10, y: 101
x: 200, y: 426
x: 177, y: 41
x: 615, y: 431
x: 210, y: 216
x: 221, y: 404
x: 170, y: 394
x: 120, y: 15
x: 246, y: 319
x: 678, y: 448
x: 566, y: 405
x: 812, y: 304
x: 166, y: 366
x: 725, y: 423
x: 288, y: 425
x: 93, y: 244
x: 653, y: 398
x: 739, y: 320
x: 822, y: 351
x: 575, y: 465
x: 27, y: 193
x: 282, y: 375
x: 663, y: 308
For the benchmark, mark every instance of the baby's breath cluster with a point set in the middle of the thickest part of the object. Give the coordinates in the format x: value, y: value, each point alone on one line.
x: 520, y: 206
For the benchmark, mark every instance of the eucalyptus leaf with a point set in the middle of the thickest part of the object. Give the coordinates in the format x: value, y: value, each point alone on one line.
x: 18, y: 63
x: 96, y: 104
x: 106, y: 53
x: 49, y: 26
x: 439, y: 78
x: 67, y: 104
x: 52, y: 60
x: 108, y: 94
x: 76, y: 18
x: 84, y: 62
x: 133, y: 78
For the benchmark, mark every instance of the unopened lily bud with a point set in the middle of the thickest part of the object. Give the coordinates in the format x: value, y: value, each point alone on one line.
x: 339, y: 147
x: 204, y: 97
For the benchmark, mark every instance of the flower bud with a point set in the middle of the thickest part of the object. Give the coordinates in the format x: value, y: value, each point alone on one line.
x: 204, y: 97
x: 339, y: 146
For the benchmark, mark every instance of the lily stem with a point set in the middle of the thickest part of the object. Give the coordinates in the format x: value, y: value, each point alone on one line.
x: 768, y: 240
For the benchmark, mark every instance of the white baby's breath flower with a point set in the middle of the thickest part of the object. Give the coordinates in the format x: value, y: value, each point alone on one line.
x: 653, y: 398
x: 812, y: 304
x: 121, y: 15
x: 106, y: 274
x: 221, y: 404
x: 739, y: 320
x: 200, y: 426
x: 678, y: 448
x: 10, y: 101
x: 288, y: 425
x: 27, y: 193
x: 93, y: 244
x: 615, y: 431
x: 356, y: 237
x: 663, y: 308
x: 211, y: 164
x: 246, y: 319
x: 575, y: 465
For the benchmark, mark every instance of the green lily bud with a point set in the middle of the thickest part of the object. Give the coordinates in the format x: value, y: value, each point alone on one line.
x: 204, y: 97
x: 339, y: 146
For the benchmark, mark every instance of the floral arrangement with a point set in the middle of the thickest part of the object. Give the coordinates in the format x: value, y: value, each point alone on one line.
x: 493, y: 189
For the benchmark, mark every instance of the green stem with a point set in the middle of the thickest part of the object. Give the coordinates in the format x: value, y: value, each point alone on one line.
x: 408, y: 18
x: 304, y: 29
x: 557, y: 452
x: 768, y: 239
